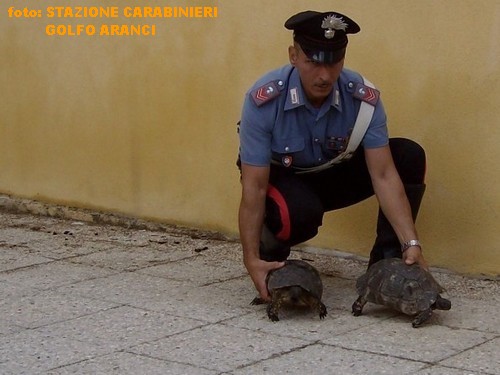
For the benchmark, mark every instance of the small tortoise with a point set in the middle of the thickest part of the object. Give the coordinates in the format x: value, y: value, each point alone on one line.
x: 296, y: 284
x: 408, y: 289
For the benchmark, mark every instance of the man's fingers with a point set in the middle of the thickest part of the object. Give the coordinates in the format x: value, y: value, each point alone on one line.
x: 264, y: 294
x: 276, y: 265
x: 262, y: 287
x: 412, y: 258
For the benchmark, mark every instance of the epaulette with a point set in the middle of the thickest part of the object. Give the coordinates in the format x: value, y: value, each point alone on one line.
x: 367, y: 94
x: 265, y: 93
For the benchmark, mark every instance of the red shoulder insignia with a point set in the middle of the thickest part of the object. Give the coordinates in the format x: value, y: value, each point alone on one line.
x: 265, y: 93
x: 366, y: 94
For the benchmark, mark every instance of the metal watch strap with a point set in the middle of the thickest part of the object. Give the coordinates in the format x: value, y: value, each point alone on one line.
x: 405, y: 246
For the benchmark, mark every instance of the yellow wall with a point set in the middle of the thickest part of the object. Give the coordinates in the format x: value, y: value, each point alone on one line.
x: 145, y: 126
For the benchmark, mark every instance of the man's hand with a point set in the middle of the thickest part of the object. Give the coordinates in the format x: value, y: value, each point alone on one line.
x: 258, y: 270
x: 414, y: 255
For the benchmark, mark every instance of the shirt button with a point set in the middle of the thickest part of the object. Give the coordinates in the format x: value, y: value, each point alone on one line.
x: 316, y: 140
x: 287, y: 148
x: 320, y: 159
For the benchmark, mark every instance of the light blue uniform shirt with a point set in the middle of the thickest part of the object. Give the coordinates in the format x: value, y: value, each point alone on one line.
x: 287, y: 127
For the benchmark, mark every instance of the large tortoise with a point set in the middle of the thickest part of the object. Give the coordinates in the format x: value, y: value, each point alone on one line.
x: 406, y: 288
x: 296, y: 284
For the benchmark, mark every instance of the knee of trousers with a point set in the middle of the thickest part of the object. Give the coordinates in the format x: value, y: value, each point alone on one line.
x: 293, y: 218
x: 409, y: 159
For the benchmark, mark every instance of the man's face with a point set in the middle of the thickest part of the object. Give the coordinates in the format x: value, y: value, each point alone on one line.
x: 317, y: 79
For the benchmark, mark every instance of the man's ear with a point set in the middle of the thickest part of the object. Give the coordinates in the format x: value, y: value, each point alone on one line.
x: 292, y: 55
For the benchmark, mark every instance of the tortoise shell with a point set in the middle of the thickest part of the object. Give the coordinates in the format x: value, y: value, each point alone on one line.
x: 296, y: 284
x: 296, y: 273
x: 406, y: 288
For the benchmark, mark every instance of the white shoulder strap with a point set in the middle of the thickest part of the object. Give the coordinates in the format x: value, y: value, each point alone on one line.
x: 363, y: 120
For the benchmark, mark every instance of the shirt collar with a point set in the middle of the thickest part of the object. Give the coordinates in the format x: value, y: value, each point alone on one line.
x: 296, y: 96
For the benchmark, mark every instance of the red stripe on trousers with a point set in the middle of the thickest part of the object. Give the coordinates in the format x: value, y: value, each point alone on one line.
x: 275, y: 195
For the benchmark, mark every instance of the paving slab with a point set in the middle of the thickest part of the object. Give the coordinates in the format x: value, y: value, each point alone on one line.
x: 326, y: 359
x: 53, y: 274
x: 396, y: 336
x: 441, y: 370
x: 19, y: 256
x: 483, y: 358
x: 92, y: 297
x: 208, y: 303
x: 67, y: 250
x: 10, y: 291
x: 216, y: 266
x: 130, y: 258
x: 124, y: 363
x: 21, y: 236
x: 219, y: 347
x: 34, y: 351
x: 120, y: 328
x: 48, y: 307
x: 47, y: 243
x: 467, y: 313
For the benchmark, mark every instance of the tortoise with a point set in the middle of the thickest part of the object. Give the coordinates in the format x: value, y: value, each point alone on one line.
x: 406, y: 288
x: 296, y: 284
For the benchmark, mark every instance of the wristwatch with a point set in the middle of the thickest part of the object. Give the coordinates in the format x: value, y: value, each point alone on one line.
x: 406, y: 245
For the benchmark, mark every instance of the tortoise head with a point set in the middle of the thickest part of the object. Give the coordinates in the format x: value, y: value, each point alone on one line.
x: 294, y: 296
x: 441, y: 303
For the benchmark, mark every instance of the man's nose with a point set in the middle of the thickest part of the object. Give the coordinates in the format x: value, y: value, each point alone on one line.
x: 325, y: 73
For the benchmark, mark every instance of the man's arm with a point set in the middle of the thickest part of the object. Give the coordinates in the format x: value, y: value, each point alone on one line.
x: 254, y: 181
x: 393, y: 201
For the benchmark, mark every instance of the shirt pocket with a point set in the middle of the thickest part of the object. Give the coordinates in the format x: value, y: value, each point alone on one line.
x: 288, y: 145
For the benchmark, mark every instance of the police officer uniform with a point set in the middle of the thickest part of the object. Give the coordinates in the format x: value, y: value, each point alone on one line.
x: 281, y: 129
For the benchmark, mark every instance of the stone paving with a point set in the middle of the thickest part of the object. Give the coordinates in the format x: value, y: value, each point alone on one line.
x: 79, y: 297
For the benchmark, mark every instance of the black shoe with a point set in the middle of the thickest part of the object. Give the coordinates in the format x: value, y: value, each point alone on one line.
x: 271, y: 249
x: 387, y: 253
x: 276, y: 255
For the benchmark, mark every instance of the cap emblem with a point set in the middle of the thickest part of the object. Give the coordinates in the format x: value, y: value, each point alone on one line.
x: 332, y: 23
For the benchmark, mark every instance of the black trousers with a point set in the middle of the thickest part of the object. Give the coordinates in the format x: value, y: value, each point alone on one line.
x: 296, y: 203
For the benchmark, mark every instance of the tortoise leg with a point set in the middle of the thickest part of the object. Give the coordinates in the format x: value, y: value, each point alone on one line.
x: 257, y: 301
x: 322, y: 310
x: 422, y: 318
x: 273, y: 309
x: 357, y: 306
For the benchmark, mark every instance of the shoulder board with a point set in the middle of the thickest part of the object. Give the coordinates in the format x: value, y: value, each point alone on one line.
x: 367, y: 94
x: 265, y: 93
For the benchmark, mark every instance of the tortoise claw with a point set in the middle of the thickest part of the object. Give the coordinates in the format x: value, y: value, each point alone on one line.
x: 272, y: 312
x: 274, y: 318
x: 322, y: 311
x: 257, y: 301
x: 357, y: 306
x: 421, y: 318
